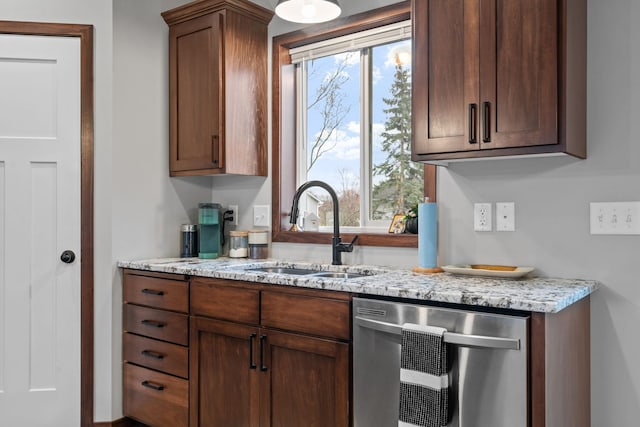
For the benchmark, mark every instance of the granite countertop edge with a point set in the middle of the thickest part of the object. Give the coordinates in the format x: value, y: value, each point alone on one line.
x: 536, y: 294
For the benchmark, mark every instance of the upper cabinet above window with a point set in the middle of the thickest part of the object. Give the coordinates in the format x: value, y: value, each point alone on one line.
x: 218, y: 88
x: 498, y: 78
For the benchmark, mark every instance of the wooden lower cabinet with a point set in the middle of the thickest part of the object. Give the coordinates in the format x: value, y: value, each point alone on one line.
x: 224, y: 387
x: 262, y: 355
x: 305, y: 382
x: 250, y: 376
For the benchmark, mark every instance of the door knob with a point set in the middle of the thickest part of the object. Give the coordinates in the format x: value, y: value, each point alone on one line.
x: 67, y: 257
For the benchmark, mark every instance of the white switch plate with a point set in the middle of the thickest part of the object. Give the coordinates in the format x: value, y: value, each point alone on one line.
x: 615, y: 218
x: 482, y: 216
x: 261, y: 216
x: 505, y: 216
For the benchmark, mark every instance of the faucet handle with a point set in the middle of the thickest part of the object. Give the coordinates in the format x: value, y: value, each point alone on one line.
x: 347, y: 247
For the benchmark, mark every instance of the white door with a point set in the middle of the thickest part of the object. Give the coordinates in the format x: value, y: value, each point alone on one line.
x: 39, y: 220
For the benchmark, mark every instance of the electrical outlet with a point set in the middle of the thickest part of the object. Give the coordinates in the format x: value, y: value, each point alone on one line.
x: 482, y: 216
x: 505, y: 216
x: 234, y: 208
x: 261, y: 215
x: 615, y: 218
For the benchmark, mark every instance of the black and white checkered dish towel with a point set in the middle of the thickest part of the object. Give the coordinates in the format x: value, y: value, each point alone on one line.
x: 424, y: 382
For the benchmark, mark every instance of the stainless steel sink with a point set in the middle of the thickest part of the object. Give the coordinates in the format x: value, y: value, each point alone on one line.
x: 284, y: 270
x: 339, y: 275
x: 308, y: 272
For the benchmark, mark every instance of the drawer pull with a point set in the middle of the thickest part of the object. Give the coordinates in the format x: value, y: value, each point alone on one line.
x: 154, y: 386
x: 152, y: 292
x: 153, y: 323
x: 151, y: 353
x: 263, y: 338
x: 251, y: 364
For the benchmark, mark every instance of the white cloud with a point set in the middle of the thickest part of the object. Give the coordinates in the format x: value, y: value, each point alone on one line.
x: 345, y: 145
x: 353, y: 127
x: 376, y: 75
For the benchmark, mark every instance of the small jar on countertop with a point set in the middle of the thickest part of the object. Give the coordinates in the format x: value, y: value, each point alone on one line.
x: 258, y: 244
x: 238, y: 244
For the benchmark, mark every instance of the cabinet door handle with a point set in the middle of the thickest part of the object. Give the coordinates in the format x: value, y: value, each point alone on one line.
x: 152, y: 292
x: 215, y: 150
x: 251, y: 339
x: 153, y: 323
x: 152, y: 385
x: 486, y: 122
x: 263, y: 338
x: 151, y: 353
x: 472, y: 124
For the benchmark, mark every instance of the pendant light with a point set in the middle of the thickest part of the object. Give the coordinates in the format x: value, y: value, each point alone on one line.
x: 308, y: 11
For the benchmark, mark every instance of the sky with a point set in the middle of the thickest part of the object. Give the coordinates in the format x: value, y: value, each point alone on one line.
x: 343, y: 162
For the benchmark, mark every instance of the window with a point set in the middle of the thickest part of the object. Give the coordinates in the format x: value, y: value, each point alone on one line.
x: 315, y: 50
x: 353, y: 127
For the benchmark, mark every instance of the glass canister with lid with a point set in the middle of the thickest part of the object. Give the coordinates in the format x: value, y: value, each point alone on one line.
x: 258, y: 244
x: 238, y: 244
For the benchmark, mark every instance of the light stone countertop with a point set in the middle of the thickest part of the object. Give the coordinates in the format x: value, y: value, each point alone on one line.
x: 547, y: 295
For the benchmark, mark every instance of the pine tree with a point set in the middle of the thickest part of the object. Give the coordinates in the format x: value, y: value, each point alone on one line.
x: 403, y: 183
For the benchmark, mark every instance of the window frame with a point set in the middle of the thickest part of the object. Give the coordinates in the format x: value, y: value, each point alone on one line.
x: 284, y: 155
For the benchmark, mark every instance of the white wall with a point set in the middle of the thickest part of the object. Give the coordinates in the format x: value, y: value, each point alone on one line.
x: 148, y: 206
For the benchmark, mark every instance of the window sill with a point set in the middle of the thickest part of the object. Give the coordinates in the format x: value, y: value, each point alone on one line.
x: 364, y: 239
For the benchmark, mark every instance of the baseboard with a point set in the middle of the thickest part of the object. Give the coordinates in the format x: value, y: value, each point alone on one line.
x: 122, y: 422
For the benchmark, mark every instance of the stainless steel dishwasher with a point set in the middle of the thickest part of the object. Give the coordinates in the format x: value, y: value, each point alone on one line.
x: 487, y: 360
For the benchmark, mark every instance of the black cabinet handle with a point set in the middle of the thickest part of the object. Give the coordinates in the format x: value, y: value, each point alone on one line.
x: 251, y: 364
x: 151, y: 353
x: 263, y: 338
x: 215, y: 149
x: 472, y: 124
x: 486, y: 122
x: 154, y: 386
x: 153, y: 323
x: 152, y: 292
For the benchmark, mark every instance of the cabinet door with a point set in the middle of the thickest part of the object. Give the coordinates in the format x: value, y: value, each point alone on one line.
x: 445, y: 76
x: 304, y: 381
x: 195, y: 49
x: 519, y: 73
x: 223, y: 376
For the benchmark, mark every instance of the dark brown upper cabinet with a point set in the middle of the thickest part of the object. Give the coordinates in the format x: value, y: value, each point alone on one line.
x: 498, y: 78
x: 218, y: 88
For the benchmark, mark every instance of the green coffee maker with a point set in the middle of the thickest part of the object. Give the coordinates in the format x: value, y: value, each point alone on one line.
x: 210, y: 227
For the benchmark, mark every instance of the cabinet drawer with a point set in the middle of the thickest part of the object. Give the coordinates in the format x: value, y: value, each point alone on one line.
x: 160, y: 324
x: 157, y: 292
x: 310, y: 315
x: 159, y: 355
x: 154, y: 398
x: 225, y: 302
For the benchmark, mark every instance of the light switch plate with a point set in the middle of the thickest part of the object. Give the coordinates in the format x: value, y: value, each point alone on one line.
x: 615, y: 218
x: 505, y: 216
x: 261, y: 216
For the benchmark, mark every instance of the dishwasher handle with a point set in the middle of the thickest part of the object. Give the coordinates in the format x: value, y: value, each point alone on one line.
x: 464, y: 340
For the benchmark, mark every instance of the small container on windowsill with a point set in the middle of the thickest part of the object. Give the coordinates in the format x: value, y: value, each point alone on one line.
x: 258, y: 244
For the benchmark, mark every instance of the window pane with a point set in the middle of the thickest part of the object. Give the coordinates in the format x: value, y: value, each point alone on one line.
x: 397, y: 182
x: 333, y: 135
